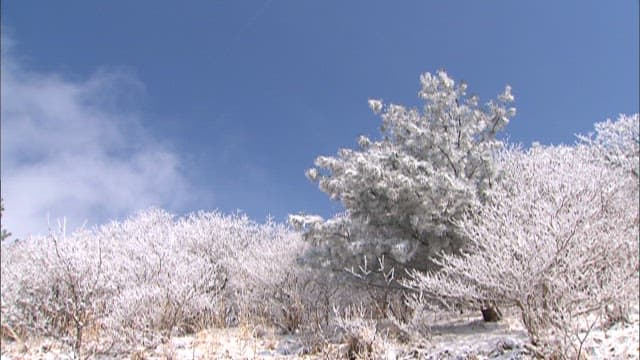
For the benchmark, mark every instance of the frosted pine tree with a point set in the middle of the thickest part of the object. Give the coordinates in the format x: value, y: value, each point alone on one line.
x: 404, y: 192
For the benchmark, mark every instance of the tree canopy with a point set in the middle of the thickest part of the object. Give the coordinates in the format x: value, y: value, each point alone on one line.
x: 404, y: 192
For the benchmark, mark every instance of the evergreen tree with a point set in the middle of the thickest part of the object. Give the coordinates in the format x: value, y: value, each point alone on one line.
x: 404, y: 192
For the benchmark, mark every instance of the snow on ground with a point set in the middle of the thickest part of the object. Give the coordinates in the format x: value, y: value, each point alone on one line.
x: 459, y: 338
x: 621, y: 341
x: 466, y: 337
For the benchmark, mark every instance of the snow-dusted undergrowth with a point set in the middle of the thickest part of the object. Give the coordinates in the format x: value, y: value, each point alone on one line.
x: 152, y: 275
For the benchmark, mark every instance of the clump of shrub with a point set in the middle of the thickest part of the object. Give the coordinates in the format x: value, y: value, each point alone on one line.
x: 53, y: 286
x: 150, y: 277
x: 360, y: 336
x: 556, y: 239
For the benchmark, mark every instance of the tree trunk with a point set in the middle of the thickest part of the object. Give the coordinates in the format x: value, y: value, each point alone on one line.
x: 491, y: 314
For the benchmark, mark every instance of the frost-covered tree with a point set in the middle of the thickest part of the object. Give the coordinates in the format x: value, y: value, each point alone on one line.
x: 557, y: 239
x: 404, y: 192
x: 617, y: 143
x: 4, y: 234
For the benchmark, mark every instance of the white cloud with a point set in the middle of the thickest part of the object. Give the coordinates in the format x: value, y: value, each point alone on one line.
x: 76, y: 149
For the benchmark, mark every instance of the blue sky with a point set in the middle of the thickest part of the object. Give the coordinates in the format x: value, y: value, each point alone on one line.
x: 224, y: 104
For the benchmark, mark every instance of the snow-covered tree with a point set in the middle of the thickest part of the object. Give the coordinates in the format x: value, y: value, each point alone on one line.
x: 404, y: 192
x: 617, y: 143
x: 4, y: 234
x: 558, y: 239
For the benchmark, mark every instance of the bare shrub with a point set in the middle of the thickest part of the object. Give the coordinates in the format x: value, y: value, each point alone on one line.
x: 378, y: 281
x: 360, y: 336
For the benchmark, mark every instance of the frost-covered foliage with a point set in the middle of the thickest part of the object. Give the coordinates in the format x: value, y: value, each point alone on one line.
x: 56, y: 286
x: 151, y: 276
x: 168, y: 285
x: 4, y: 234
x: 404, y: 192
x: 360, y: 334
x: 617, y: 143
x: 269, y: 282
x: 558, y: 239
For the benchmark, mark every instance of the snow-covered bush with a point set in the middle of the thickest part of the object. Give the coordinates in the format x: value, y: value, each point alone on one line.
x: 558, y: 239
x: 360, y: 334
x: 349, y: 267
x: 267, y: 280
x: 404, y: 192
x: 148, y: 277
x: 56, y: 286
x: 167, y: 286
